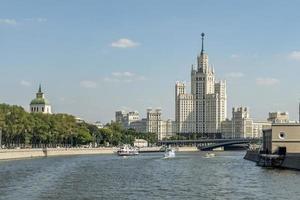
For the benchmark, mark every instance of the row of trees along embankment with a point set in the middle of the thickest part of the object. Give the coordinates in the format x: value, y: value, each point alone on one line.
x: 25, y: 130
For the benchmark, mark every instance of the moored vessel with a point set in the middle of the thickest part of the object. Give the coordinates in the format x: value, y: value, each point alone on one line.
x: 127, y: 150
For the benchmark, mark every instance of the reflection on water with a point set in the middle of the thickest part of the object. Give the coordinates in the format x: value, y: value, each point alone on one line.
x: 147, y: 176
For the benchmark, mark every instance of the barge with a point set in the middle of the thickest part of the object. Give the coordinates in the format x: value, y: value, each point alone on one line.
x: 280, y: 147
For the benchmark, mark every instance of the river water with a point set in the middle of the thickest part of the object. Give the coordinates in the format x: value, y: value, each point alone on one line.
x: 147, y: 176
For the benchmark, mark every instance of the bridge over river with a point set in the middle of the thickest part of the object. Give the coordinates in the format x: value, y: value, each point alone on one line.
x: 209, y: 144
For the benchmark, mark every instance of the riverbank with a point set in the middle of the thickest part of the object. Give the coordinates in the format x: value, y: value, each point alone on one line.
x: 10, y: 154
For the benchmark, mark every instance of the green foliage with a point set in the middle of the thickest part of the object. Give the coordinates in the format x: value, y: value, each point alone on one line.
x: 23, y: 129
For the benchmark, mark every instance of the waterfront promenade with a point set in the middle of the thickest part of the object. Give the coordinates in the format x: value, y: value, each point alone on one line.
x: 9, y: 154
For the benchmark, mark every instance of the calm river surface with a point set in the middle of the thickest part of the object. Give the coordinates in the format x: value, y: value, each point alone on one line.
x: 147, y: 176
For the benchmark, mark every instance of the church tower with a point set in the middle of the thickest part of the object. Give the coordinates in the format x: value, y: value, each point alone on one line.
x: 40, y: 104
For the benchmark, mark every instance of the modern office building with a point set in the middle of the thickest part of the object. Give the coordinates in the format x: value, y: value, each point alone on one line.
x: 203, y: 110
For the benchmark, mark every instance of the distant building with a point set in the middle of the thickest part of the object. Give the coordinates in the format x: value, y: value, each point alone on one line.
x: 126, y: 118
x: 153, y: 123
x: 259, y: 126
x: 40, y: 104
x: 99, y: 124
x: 205, y: 108
x: 278, y: 117
x: 140, y: 126
x: 79, y: 120
x: 227, y: 129
x: 242, y: 123
x: 140, y: 143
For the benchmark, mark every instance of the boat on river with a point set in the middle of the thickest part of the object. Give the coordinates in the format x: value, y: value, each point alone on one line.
x: 169, y: 153
x: 210, y: 155
x: 127, y: 150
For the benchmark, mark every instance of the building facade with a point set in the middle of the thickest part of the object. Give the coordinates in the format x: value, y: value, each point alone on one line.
x: 153, y: 123
x: 242, y: 123
x: 126, y: 118
x: 40, y: 104
x: 278, y: 117
x: 242, y: 126
x: 205, y: 108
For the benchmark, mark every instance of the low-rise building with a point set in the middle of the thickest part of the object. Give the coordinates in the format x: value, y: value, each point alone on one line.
x: 126, y: 118
x: 278, y: 117
x: 140, y: 143
x: 258, y: 127
x: 153, y: 123
x: 282, y: 137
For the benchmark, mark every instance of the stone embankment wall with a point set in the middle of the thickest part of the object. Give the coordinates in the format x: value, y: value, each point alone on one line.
x: 8, y: 154
x: 187, y: 149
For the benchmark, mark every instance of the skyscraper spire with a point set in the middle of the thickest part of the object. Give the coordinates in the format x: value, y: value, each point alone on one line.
x: 202, y: 35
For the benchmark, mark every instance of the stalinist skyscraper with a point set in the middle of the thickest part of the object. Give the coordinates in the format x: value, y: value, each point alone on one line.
x: 205, y: 108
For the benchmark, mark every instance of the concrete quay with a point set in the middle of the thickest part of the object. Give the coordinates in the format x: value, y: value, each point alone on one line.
x: 9, y: 154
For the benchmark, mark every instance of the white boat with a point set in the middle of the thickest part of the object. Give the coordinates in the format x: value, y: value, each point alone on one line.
x: 209, y: 155
x: 169, y: 153
x: 127, y: 150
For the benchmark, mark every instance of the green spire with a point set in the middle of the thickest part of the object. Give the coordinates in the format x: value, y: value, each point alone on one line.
x: 40, y: 89
x: 202, y: 35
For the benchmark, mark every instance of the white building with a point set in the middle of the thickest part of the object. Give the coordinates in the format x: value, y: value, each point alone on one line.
x: 205, y: 108
x: 278, y: 117
x: 259, y: 126
x: 40, y: 104
x: 125, y: 119
x: 140, y: 143
x: 153, y: 123
x: 99, y: 124
x: 242, y: 126
x: 242, y: 123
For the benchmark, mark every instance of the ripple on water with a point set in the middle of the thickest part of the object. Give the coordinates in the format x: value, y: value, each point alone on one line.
x: 147, y: 176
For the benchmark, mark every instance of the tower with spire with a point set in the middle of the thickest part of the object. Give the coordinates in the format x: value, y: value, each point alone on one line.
x: 40, y: 104
x: 203, y: 110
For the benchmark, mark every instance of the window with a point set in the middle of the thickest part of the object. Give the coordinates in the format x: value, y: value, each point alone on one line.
x: 282, y: 135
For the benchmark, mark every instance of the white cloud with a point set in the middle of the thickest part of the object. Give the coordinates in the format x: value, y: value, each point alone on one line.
x: 39, y: 19
x: 295, y: 55
x: 124, y: 77
x: 123, y: 74
x: 267, y: 81
x: 234, y: 75
x: 109, y: 79
x: 25, y: 83
x: 124, y: 43
x: 11, y: 22
x: 88, y: 84
x: 234, y: 56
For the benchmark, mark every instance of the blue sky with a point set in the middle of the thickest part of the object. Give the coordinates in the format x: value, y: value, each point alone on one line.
x: 95, y: 57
